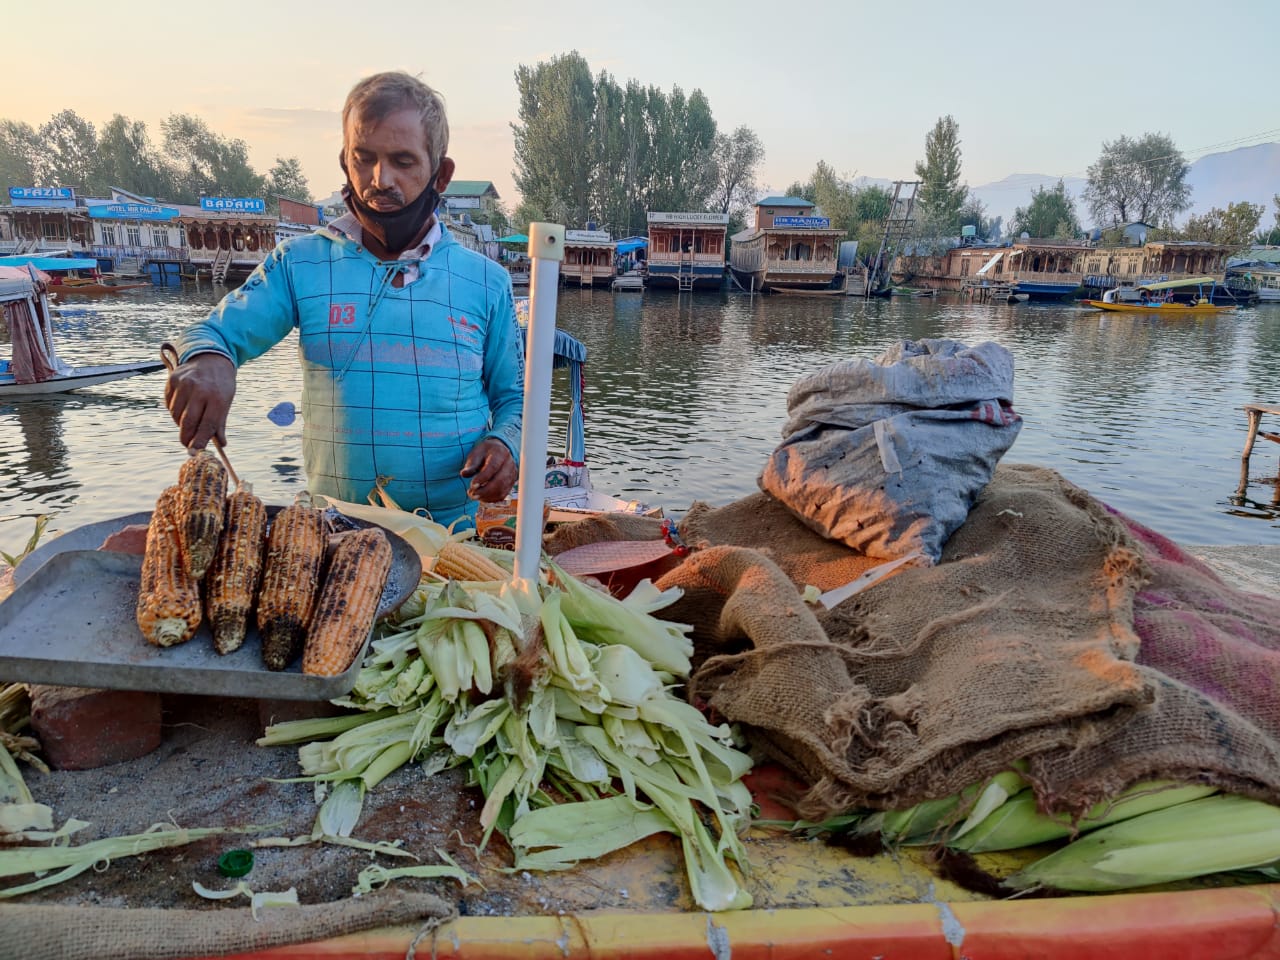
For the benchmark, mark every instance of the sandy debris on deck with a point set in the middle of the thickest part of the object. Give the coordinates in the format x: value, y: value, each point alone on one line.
x: 208, y: 772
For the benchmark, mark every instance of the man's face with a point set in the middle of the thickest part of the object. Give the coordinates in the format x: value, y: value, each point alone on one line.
x: 388, y: 162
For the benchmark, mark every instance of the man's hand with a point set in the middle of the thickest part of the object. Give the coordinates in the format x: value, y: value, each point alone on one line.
x: 492, y: 471
x: 198, y: 395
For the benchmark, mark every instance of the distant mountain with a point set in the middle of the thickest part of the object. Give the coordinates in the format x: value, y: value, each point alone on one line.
x: 1216, y: 179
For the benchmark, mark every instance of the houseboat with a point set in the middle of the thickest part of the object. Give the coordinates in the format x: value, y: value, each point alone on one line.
x: 1256, y: 272
x: 686, y: 250
x: 788, y: 248
x: 227, y: 236
x: 590, y: 258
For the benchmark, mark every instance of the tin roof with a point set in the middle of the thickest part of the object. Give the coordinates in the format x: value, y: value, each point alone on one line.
x: 784, y: 202
x: 470, y: 188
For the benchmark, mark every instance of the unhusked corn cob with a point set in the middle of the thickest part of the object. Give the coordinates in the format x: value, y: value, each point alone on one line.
x: 290, y: 579
x: 233, y: 578
x: 1192, y: 839
x: 348, y: 602
x: 168, y: 610
x: 457, y: 561
x: 201, y: 504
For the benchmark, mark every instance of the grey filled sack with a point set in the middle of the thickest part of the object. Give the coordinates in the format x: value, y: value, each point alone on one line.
x: 888, y: 455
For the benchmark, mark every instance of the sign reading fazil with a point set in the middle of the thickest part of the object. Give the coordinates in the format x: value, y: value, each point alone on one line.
x: 233, y: 204
x: 41, y: 193
x: 813, y: 223
x: 131, y: 211
x: 694, y: 218
x: 61, y: 197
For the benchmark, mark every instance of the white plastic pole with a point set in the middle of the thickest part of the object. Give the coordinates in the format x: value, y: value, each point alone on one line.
x: 546, y: 250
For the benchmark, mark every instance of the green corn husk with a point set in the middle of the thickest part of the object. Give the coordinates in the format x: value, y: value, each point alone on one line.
x: 932, y: 821
x: 1210, y: 835
x: 1017, y: 822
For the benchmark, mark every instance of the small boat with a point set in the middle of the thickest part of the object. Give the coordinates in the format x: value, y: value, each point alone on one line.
x: 1162, y: 298
x: 34, y: 368
x: 631, y: 280
x: 75, y: 275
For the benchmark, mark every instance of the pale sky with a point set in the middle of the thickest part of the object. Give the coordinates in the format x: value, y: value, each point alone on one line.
x: 1035, y: 87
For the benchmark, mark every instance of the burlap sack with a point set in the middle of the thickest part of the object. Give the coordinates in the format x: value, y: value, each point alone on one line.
x: 99, y: 933
x: 950, y: 672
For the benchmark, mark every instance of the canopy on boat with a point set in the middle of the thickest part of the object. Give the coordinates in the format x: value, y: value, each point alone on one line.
x: 635, y: 243
x: 50, y: 263
x: 1173, y: 284
x: 513, y: 238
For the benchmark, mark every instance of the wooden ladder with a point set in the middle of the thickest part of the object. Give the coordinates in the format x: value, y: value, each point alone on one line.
x: 221, y: 266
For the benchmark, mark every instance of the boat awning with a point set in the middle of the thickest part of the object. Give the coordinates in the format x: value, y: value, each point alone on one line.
x: 626, y: 246
x: 1173, y: 284
x: 50, y: 263
x: 989, y: 264
x: 513, y: 238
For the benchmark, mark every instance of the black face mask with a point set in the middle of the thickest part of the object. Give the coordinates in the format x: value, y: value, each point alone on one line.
x: 400, y: 227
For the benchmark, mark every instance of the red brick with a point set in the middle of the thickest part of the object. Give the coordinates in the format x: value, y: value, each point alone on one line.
x: 81, y: 728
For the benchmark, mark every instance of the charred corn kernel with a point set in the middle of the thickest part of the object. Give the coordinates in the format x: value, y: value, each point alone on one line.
x: 232, y: 581
x: 201, y: 506
x: 348, y: 602
x: 290, y: 579
x: 457, y: 561
x: 168, y: 610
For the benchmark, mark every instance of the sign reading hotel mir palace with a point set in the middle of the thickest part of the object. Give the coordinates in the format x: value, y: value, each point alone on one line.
x: 233, y: 204
x: 715, y: 218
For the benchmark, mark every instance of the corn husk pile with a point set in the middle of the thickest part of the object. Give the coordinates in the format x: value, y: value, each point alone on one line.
x: 1153, y: 833
x: 560, y: 700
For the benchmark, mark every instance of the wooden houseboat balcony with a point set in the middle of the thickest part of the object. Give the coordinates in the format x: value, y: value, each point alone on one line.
x: 589, y: 258
x: 687, y: 249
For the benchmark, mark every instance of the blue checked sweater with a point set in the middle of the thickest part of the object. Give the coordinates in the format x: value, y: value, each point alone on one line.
x: 397, y: 383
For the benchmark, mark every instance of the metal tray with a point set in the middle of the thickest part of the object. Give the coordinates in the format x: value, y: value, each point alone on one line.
x: 71, y: 622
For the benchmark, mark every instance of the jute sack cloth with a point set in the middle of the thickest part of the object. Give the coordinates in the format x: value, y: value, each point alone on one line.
x: 1213, y: 652
x: 939, y: 677
x: 99, y: 933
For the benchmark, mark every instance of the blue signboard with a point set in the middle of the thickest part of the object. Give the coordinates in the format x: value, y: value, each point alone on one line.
x: 816, y: 223
x: 42, y: 196
x: 233, y: 204
x: 131, y: 211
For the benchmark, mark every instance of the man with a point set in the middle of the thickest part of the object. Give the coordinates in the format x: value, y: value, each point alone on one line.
x: 412, y: 361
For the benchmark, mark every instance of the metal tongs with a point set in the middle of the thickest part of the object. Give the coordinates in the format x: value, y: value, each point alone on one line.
x: 169, y: 357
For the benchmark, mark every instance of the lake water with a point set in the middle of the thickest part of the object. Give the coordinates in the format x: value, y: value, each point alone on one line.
x: 686, y: 396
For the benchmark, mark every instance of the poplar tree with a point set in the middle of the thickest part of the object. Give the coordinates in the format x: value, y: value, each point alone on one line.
x: 941, y: 194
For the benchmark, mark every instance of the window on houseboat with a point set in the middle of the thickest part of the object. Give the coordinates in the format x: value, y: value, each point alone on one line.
x: 108, y: 235
x: 133, y: 236
x: 52, y: 230
x: 159, y: 237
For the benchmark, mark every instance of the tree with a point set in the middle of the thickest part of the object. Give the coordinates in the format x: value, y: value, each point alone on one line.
x: 974, y: 214
x: 1138, y: 180
x: 941, y: 194
x: 1271, y: 237
x: 205, y: 162
x: 286, y: 179
x: 19, y: 150
x: 1233, y: 226
x: 128, y: 159
x: 1051, y: 213
x: 735, y: 157
x: 69, y: 153
x: 555, y: 152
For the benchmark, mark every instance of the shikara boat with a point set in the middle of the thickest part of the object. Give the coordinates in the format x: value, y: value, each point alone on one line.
x: 1192, y: 296
x: 33, y: 367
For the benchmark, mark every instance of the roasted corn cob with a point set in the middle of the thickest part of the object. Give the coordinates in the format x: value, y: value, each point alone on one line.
x: 201, y: 505
x: 168, y: 610
x: 348, y: 602
x: 232, y: 581
x: 290, y: 579
x: 457, y: 561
